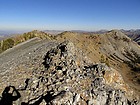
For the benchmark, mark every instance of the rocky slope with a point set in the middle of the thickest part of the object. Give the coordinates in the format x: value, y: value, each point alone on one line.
x: 113, y: 48
x: 74, y: 72
x: 9, y: 42
x: 133, y: 34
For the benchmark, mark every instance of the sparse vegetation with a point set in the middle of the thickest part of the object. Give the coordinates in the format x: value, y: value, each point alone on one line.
x: 126, y: 39
x: 104, y: 60
x: 10, y: 42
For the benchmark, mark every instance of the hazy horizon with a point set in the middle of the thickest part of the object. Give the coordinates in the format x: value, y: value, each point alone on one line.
x: 88, y: 15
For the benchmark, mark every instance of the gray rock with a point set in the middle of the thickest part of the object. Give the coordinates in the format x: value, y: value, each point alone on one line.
x: 63, y: 75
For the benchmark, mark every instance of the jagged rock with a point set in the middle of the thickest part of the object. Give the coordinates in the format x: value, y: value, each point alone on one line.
x: 70, y: 78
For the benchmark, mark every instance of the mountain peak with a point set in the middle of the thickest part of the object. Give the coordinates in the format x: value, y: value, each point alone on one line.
x: 75, y: 68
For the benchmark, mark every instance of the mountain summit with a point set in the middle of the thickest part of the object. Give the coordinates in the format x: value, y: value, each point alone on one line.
x: 73, y: 69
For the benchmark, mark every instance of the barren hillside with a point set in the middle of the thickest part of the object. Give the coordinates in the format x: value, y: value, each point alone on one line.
x: 114, y: 48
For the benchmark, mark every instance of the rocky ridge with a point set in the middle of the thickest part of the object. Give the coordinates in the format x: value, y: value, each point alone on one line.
x: 82, y: 71
x: 133, y: 34
x: 113, y: 48
x: 67, y: 76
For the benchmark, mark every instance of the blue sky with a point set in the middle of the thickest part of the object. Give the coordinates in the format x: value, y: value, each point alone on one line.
x: 69, y: 14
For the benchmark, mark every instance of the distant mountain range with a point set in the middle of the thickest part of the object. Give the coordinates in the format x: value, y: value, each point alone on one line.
x: 133, y: 34
x: 12, y: 32
x: 53, y: 32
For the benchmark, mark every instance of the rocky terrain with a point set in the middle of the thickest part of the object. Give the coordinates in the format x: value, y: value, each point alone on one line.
x: 73, y: 69
x: 133, y: 34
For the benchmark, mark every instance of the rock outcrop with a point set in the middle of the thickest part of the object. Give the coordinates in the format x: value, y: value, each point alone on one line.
x: 68, y: 77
